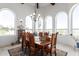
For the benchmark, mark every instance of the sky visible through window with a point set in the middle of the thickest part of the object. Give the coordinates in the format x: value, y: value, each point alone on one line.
x: 6, y: 22
x: 39, y: 23
x: 28, y: 22
x: 6, y: 19
x: 62, y: 21
x: 75, y: 19
x: 75, y: 22
x: 48, y: 22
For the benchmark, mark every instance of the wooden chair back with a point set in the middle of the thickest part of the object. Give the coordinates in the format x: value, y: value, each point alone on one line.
x: 31, y: 40
x: 45, y: 33
x: 53, y: 43
x: 54, y: 38
x: 23, y: 40
x: 47, y: 38
x: 40, y: 34
x: 23, y: 36
x: 27, y: 36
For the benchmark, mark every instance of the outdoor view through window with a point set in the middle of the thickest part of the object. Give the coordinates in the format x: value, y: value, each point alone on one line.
x: 6, y: 22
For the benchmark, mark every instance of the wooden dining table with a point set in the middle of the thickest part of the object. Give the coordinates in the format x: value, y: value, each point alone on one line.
x: 40, y: 44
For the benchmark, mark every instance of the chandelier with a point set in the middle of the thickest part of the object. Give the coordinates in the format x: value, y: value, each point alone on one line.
x: 36, y: 14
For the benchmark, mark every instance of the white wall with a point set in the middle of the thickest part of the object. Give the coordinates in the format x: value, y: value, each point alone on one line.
x: 66, y: 40
x: 7, y: 40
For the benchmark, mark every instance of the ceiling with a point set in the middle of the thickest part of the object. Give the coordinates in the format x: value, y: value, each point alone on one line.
x: 40, y: 4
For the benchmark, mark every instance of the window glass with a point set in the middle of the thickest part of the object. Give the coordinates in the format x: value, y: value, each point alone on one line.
x: 6, y: 22
x: 62, y: 23
x: 48, y: 24
x: 28, y: 24
x: 75, y: 21
x: 39, y: 24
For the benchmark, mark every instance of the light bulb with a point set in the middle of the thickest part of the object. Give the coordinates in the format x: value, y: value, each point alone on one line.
x: 33, y: 13
x: 39, y: 15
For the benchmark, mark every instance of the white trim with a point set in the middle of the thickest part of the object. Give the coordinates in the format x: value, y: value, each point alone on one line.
x: 70, y: 18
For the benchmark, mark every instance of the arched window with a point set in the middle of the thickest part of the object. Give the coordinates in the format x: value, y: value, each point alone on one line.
x: 39, y: 25
x: 62, y: 23
x: 75, y: 21
x: 28, y: 24
x: 48, y: 24
x: 7, y: 19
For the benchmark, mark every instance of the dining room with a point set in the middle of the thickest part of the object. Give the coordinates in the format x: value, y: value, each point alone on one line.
x: 39, y: 29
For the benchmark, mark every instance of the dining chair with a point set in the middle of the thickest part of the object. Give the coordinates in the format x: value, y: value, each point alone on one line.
x: 33, y: 47
x: 27, y: 44
x: 47, y: 38
x: 52, y: 48
x: 40, y: 35
x: 27, y: 39
x: 23, y: 40
x: 45, y: 33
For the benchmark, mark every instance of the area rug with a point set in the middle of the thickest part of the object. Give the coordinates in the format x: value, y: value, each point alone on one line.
x: 18, y: 52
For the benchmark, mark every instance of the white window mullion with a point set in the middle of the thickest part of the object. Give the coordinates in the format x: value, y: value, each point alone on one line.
x: 44, y: 24
x: 70, y: 24
x: 53, y: 24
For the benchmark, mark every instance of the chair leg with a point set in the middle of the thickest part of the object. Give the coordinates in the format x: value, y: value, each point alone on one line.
x: 29, y: 52
x: 26, y: 49
x: 50, y: 53
x: 55, y: 53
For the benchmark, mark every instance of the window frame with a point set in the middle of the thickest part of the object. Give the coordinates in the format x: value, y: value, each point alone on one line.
x: 46, y: 29
x: 72, y: 12
x: 66, y: 29
x: 31, y: 29
x: 3, y: 9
